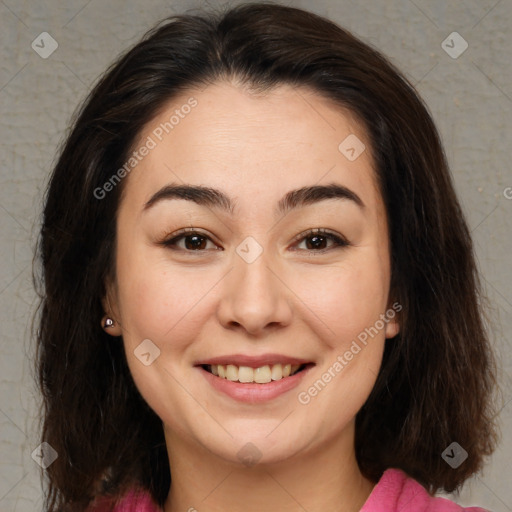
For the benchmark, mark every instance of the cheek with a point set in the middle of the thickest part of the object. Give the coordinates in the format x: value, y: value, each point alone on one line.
x: 160, y: 305
x: 156, y: 302
x: 347, y: 297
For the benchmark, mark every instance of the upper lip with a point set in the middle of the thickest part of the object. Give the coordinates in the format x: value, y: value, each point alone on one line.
x: 253, y: 361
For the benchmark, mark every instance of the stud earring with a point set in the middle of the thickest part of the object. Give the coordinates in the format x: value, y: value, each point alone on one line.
x: 108, y: 323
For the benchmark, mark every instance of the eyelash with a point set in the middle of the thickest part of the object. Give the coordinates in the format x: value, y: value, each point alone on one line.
x: 339, y: 241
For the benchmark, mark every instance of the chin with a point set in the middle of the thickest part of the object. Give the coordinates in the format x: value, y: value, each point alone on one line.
x: 257, y: 447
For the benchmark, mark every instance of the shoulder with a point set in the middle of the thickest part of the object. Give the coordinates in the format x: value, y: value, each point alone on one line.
x: 133, y: 501
x: 396, y: 491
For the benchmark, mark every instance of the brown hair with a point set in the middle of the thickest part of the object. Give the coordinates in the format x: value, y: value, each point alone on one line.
x: 437, y: 378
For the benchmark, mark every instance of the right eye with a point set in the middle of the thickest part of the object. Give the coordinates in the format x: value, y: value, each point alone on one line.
x: 193, y: 240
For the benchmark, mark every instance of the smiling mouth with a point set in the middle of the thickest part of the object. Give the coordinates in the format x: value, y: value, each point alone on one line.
x: 261, y: 375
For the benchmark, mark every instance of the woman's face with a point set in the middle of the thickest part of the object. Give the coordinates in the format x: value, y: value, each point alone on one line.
x: 251, y: 288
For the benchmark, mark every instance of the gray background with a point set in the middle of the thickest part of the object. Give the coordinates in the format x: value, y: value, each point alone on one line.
x: 470, y: 98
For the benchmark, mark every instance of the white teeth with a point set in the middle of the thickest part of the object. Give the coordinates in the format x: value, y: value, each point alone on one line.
x: 277, y: 372
x: 231, y: 372
x: 245, y: 374
x: 261, y: 375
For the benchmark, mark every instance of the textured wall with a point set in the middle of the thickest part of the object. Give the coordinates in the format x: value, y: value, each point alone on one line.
x: 470, y: 96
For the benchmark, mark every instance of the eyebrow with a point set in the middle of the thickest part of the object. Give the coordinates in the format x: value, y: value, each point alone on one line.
x: 214, y: 198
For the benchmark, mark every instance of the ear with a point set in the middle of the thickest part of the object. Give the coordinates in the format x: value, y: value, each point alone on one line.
x: 109, y: 303
x: 394, y: 318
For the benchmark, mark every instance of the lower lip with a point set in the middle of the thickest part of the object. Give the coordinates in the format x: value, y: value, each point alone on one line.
x: 253, y: 392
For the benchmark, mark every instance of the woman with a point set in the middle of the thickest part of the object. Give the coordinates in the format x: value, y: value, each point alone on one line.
x: 257, y: 207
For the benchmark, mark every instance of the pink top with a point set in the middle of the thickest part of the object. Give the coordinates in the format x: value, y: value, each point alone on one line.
x: 395, y: 492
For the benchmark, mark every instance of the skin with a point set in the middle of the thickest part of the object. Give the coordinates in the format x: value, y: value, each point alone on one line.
x: 195, y: 305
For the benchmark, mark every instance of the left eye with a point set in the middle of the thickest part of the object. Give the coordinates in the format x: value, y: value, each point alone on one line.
x: 316, y: 236
x: 196, y: 240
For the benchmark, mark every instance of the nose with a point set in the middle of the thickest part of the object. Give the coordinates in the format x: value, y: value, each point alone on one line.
x: 255, y: 297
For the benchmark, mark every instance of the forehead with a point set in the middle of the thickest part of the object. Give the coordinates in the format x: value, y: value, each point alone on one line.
x: 257, y: 145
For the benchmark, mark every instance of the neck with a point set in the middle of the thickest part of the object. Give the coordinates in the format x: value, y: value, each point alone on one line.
x: 324, y: 478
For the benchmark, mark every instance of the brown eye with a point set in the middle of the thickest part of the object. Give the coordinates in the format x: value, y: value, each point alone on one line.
x: 318, y: 238
x: 197, y: 242
x: 316, y: 241
x: 193, y: 241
